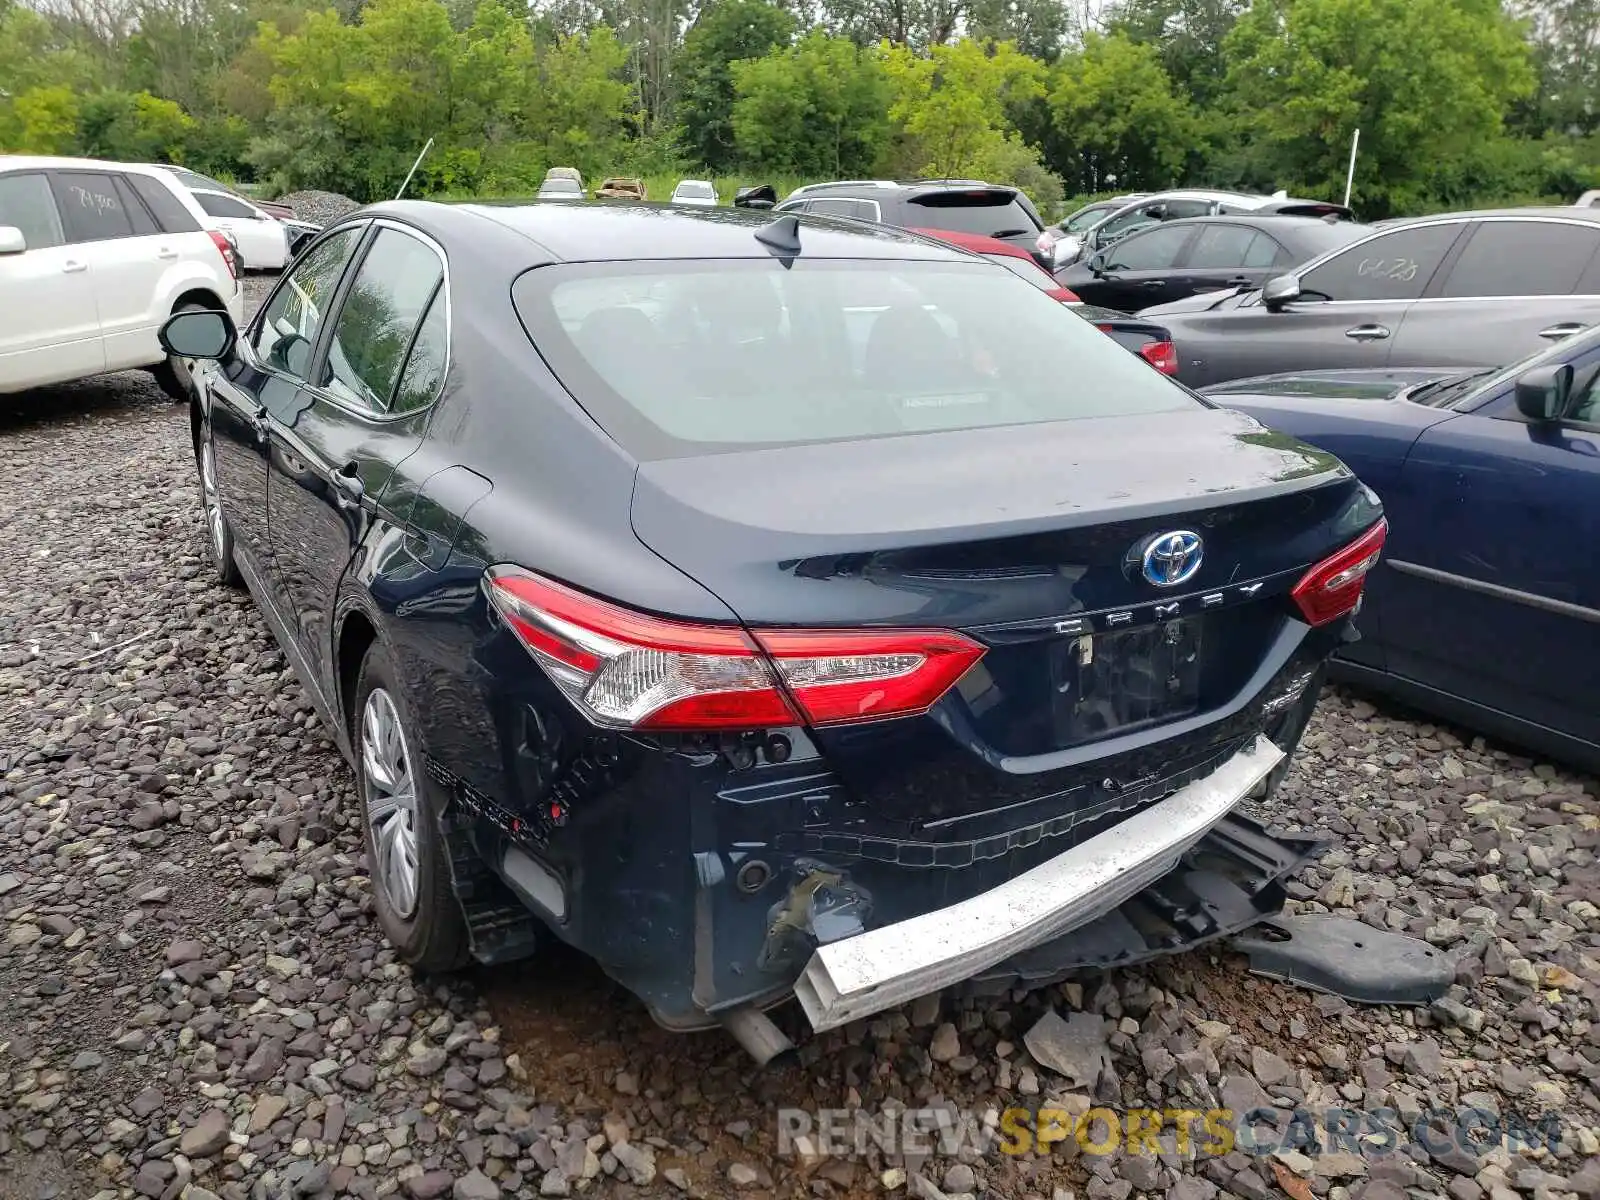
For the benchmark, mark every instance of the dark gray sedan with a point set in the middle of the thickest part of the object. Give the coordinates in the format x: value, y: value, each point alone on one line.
x: 1466, y: 289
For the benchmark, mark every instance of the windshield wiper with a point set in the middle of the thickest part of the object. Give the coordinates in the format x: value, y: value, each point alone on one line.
x: 1437, y: 393
x: 1005, y: 233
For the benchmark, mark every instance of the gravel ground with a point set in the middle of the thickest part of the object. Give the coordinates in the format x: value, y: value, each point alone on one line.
x: 194, y: 1001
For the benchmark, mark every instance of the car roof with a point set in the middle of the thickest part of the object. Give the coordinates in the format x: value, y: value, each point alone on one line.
x: 1565, y: 211
x: 645, y: 231
x: 1267, y: 221
x: 42, y: 162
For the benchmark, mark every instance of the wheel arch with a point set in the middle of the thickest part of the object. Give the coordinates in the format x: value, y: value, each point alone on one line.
x: 356, y: 635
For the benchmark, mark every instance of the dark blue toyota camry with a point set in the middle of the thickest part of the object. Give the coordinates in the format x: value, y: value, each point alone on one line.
x: 748, y: 603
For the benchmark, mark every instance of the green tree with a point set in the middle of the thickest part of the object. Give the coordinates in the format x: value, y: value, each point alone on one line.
x: 1426, y: 82
x: 1188, y: 34
x: 816, y: 108
x: 1115, y: 112
x: 44, y: 120
x: 950, y: 105
x: 725, y: 32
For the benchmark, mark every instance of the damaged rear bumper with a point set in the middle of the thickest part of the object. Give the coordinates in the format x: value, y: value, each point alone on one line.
x: 879, y: 969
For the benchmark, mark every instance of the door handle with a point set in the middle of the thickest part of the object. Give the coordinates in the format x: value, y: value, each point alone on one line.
x: 348, y: 490
x: 166, y: 252
x: 1240, y: 281
x: 1566, y: 329
x: 72, y: 266
x: 1367, y: 333
x: 1152, y: 284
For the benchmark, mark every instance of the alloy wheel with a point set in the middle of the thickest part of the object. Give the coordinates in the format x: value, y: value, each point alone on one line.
x: 213, y: 502
x: 390, y: 797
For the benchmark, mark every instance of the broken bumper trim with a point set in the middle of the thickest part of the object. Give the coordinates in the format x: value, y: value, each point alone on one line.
x: 873, y: 971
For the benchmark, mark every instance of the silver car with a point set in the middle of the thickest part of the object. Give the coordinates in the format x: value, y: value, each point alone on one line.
x: 1475, y: 289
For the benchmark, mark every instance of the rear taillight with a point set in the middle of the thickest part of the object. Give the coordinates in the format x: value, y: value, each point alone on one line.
x: 627, y: 670
x: 226, y: 251
x: 1065, y: 295
x: 1332, y: 588
x: 1163, y: 356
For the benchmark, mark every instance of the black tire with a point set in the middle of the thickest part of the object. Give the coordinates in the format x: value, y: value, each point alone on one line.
x: 219, y: 533
x: 432, y: 935
x: 173, y: 375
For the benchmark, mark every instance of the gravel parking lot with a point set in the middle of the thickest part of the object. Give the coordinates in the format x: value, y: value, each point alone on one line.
x: 195, y: 1003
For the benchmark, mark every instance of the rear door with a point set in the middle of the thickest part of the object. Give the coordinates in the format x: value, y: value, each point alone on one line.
x: 1138, y: 271
x: 55, y: 334
x: 1516, y: 285
x: 1352, y: 304
x: 1224, y: 256
x: 376, y: 368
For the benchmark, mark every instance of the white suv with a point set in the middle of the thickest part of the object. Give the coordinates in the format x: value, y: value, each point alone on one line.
x: 94, y: 257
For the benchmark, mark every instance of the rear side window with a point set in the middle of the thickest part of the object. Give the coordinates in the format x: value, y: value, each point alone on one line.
x: 838, y: 206
x: 90, y: 206
x: 991, y: 213
x: 224, y: 206
x: 139, y: 216
x: 1264, y: 252
x: 1221, y: 246
x: 380, y: 313
x: 424, y: 369
x: 169, y: 211
x: 26, y: 203
x: 1392, y: 266
x: 731, y: 354
x: 1522, y: 258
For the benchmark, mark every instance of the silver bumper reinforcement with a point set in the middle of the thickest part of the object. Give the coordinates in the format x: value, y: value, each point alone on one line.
x: 884, y: 967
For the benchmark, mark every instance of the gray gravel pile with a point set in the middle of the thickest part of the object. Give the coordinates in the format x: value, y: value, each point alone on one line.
x: 319, y: 207
x: 195, y: 1002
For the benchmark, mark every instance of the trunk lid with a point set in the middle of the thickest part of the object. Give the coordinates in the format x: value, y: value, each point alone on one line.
x: 1029, y: 539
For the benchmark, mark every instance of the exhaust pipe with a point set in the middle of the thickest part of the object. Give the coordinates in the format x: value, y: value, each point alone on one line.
x: 763, y: 1040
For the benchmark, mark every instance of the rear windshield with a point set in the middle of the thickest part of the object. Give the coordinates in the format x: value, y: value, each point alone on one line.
x: 1024, y: 268
x: 696, y: 191
x: 684, y: 358
x: 564, y: 186
x: 991, y: 213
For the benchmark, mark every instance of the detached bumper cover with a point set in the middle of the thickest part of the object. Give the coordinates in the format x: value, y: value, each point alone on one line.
x: 884, y: 967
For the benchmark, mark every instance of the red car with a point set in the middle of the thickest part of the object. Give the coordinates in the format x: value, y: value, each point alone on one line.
x: 1149, y: 341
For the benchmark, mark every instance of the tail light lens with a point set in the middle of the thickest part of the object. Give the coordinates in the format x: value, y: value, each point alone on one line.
x: 1332, y: 588
x: 628, y: 670
x: 224, y: 249
x: 1163, y: 356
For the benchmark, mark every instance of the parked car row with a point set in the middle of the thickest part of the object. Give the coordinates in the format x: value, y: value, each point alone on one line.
x: 566, y: 184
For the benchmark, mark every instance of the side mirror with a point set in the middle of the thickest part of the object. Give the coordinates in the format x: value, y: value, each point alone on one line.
x: 1543, y: 392
x: 11, y: 240
x: 1097, y: 265
x: 1280, y: 290
x: 195, y: 334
